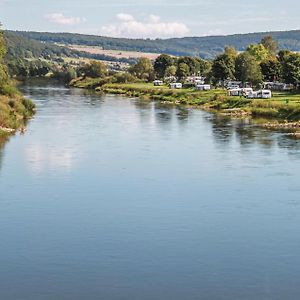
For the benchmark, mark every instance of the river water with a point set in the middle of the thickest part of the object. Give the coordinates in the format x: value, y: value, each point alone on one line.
x: 107, y: 197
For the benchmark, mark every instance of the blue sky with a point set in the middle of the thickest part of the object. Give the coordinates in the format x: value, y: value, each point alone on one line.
x: 150, y: 19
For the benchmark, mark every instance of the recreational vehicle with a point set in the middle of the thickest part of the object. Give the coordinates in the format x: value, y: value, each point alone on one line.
x: 261, y: 94
x: 203, y: 87
x: 176, y: 85
x: 158, y: 83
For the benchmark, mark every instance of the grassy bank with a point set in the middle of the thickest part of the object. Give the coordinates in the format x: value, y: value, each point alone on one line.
x: 283, y: 106
x: 15, y: 110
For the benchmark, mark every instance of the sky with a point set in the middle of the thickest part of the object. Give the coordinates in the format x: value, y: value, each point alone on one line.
x: 150, y: 19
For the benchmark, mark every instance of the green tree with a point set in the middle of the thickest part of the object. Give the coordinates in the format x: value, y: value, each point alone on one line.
x: 270, y: 44
x: 183, y: 71
x: 94, y: 69
x: 248, y: 69
x: 3, y: 70
x: 143, y: 69
x: 161, y: 64
x: 223, y: 67
x: 204, y: 66
x: 291, y: 69
x: 230, y: 51
x: 259, y: 52
x: 124, y: 77
x: 170, y: 71
x: 271, y: 69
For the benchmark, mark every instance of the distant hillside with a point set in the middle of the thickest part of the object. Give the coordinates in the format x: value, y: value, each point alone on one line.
x: 206, y: 47
x: 21, y: 46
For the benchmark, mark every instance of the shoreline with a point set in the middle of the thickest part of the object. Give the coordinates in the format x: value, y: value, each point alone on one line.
x: 279, y: 112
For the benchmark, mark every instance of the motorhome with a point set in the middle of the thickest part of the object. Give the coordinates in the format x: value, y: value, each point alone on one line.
x: 176, y: 85
x: 158, y: 83
x: 235, y: 92
x: 195, y: 80
x: 278, y: 86
x: 232, y: 84
x: 203, y: 87
x: 261, y: 94
x: 240, y: 92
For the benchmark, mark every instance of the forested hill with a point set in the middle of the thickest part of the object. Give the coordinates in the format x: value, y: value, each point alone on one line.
x: 206, y: 47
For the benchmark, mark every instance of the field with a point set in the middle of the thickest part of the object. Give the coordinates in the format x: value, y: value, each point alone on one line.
x: 113, y: 53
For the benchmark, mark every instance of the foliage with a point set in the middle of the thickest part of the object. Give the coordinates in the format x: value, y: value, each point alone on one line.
x: 247, y: 69
x: 270, y: 44
x: 143, y: 69
x: 271, y: 69
x: 124, y: 77
x: 205, y: 47
x: 161, y: 64
x: 223, y: 67
x: 259, y: 52
x: 291, y: 69
x: 94, y: 69
x: 183, y: 71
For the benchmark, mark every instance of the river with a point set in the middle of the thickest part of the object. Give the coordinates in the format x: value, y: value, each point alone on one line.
x: 107, y: 197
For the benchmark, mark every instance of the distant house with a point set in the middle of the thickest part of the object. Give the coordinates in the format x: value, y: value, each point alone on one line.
x: 176, y: 85
x: 158, y: 83
x: 203, y: 87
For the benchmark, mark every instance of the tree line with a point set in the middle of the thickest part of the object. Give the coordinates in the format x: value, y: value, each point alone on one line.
x: 259, y: 63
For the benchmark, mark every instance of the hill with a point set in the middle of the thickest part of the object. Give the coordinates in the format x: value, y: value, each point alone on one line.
x: 21, y: 46
x: 206, y: 47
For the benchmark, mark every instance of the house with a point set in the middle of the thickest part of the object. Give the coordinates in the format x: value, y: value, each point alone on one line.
x: 158, y: 83
x: 176, y: 85
x: 203, y: 87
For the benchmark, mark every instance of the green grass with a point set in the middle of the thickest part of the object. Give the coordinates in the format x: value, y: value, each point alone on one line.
x: 14, y: 111
x: 283, y: 106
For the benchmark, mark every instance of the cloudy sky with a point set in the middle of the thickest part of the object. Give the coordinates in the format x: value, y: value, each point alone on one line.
x: 150, y: 18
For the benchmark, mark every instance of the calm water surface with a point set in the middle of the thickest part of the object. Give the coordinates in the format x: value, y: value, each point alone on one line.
x: 112, y: 198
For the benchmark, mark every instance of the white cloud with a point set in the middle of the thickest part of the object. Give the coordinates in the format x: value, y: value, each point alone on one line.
x: 61, y: 19
x: 152, y: 27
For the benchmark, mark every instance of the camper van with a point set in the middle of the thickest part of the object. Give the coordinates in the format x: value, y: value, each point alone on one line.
x: 261, y: 94
x: 240, y: 92
x: 233, y: 84
x: 235, y: 92
x: 158, y: 83
x: 203, y: 87
x: 176, y: 85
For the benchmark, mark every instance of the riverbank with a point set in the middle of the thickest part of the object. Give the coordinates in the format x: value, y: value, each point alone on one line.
x: 282, y: 107
x: 15, y: 111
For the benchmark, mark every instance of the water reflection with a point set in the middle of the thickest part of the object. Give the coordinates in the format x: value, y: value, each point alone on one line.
x: 106, y: 197
x: 227, y: 130
x: 3, y: 140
